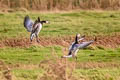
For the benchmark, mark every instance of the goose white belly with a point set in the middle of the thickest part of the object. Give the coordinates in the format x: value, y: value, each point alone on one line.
x: 39, y: 28
x: 75, y: 53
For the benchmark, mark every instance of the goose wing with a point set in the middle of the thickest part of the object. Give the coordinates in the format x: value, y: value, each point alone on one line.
x: 28, y: 23
x: 85, y: 44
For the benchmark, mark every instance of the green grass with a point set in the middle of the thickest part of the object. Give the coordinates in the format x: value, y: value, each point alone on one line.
x: 27, y: 55
x: 34, y: 55
x: 84, y: 22
x: 98, y: 74
x: 26, y: 74
x: 61, y: 24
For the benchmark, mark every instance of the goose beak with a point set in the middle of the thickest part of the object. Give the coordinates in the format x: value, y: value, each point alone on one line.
x: 47, y: 22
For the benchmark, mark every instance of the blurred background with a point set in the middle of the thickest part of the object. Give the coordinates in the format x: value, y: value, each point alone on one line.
x: 59, y: 4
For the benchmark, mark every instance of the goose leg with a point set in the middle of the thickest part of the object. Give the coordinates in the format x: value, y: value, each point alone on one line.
x: 37, y: 38
x: 76, y: 58
x: 31, y: 36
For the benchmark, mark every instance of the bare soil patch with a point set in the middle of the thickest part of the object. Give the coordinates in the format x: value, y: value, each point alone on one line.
x: 106, y: 41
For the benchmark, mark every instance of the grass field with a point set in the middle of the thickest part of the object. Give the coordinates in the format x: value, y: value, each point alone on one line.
x: 36, y: 62
x: 84, y: 22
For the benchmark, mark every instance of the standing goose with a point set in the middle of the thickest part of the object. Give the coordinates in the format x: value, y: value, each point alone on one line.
x: 33, y: 27
x: 76, y: 46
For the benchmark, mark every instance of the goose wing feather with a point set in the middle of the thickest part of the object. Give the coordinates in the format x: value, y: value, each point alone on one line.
x: 84, y: 44
x: 28, y: 23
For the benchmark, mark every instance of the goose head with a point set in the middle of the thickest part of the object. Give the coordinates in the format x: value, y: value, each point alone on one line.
x: 78, y: 35
x: 42, y: 22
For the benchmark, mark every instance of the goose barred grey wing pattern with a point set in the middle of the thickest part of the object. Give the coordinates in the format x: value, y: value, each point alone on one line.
x: 28, y: 23
x: 33, y: 27
x: 85, y: 44
x: 76, y: 46
x: 74, y: 49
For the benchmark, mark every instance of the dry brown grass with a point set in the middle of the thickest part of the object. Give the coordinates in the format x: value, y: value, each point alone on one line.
x: 58, y: 69
x: 6, y: 71
x: 61, y: 4
x: 105, y: 41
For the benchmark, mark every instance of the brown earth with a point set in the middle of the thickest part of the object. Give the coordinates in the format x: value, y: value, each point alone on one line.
x: 105, y: 41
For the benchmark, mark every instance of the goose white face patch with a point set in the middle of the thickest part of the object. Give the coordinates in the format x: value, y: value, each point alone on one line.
x: 78, y: 35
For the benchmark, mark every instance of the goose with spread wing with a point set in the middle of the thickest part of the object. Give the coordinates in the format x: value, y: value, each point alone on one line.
x: 74, y: 48
x: 33, y: 27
